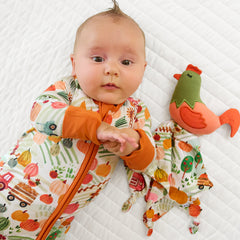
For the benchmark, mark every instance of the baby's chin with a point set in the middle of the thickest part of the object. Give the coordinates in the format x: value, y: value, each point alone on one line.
x: 110, y: 100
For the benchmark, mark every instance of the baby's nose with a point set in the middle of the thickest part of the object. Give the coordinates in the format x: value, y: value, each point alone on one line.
x: 111, y: 69
x: 112, y: 73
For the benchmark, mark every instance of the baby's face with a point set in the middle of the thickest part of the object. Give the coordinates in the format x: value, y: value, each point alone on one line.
x: 109, y: 61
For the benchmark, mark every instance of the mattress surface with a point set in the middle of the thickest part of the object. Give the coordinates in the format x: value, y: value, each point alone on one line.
x: 36, y: 40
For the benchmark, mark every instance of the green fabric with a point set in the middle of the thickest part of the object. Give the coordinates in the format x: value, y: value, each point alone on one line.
x: 187, y: 89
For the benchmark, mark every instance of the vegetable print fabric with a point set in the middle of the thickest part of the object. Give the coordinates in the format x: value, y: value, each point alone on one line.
x: 175, y: 178
x: 36, y: 173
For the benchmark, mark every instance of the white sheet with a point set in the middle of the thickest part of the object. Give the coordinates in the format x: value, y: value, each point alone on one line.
x: 36, y: 39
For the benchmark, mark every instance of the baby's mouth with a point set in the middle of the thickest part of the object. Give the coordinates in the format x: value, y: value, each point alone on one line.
x: 110, y: 86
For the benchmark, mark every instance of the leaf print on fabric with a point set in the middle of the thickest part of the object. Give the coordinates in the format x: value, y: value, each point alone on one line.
x: 64, y: 95
x: 120, y: 122
x: 73, y: 85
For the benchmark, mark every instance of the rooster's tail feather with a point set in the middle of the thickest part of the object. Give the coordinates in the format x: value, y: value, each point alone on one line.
x: 231, y: 117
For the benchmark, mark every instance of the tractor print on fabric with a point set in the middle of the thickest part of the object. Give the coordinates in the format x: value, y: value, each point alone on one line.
x: 36, y: 174
x: 174, y: 179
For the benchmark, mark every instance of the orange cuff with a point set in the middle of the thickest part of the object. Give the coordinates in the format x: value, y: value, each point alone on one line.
x: 141, y: 158
x: 81, y: 123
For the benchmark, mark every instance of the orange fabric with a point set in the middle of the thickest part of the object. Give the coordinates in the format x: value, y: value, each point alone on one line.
x: 192, y: 118
x: 232, y: 117
x: 142, y: 157
x: 104, y: 108
x: 81, y: 123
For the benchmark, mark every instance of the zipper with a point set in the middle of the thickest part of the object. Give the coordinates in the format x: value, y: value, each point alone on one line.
x: 77, y: 182
x: 93, y: 149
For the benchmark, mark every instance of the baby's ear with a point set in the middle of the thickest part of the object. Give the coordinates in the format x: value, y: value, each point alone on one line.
x: 72, y: 57
x: 145, y: 65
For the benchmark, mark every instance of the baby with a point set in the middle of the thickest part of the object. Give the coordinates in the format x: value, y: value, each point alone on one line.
x: 82, y: 125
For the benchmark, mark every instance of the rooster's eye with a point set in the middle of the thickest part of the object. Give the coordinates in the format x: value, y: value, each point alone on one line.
x: 189, y: 75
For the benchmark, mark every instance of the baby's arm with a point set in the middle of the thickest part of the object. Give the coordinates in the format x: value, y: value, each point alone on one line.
x: 121, y: 142
x: 54, y: 115
x: 143, y: 156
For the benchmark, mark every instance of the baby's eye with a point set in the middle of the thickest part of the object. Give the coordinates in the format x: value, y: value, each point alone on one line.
x: 97, y: 59
x: 126, y: 62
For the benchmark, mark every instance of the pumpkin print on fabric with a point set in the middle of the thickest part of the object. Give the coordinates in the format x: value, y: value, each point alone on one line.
x: 58, y: 187
x: 178, y: 195
x: 30, y: 225
x: 25, y: 158
x: 46, y: 198
x: 20, y: 215
x: 83, y: 146
x: 160, y: 175
x: 38, y: 171
x: 185, y: 146
x: 177, y: 176
x: 103, y: 169
x: 31, y: 170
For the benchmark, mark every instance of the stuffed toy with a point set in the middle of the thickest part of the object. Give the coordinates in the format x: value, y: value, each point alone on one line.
x: 177, y: 175
x: 188, y: 110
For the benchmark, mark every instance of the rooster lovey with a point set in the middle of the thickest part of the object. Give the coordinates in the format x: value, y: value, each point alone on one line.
x: 177, y: 176
x: 188, y: 110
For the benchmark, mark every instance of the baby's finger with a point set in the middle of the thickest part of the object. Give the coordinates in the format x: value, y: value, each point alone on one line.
x: 111, y: 137
x: 130, y: 140
x: 112, y: 147
x: 122, y: 147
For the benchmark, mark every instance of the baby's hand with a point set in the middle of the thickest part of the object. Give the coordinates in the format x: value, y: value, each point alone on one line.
x: 121, y: 142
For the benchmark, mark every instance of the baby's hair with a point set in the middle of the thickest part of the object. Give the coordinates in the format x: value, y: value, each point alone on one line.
x: 115, y: 12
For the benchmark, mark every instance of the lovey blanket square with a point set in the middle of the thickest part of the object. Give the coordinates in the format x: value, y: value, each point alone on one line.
x: 177, y: 175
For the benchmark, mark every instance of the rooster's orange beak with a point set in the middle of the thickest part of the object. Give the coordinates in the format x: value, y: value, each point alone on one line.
x: 177, y: 76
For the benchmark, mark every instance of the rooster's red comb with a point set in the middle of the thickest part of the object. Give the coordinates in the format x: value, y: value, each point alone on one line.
x: 195, y: 69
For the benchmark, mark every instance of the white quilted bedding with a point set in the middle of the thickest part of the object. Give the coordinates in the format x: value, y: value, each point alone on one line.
x: 36, y: 39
